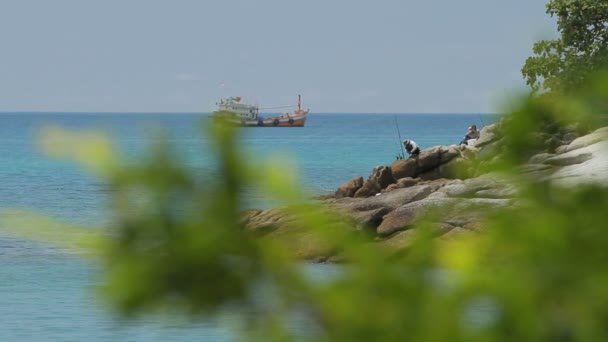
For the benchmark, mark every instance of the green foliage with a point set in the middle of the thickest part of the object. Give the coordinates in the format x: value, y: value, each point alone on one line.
x: 27, y: 225
x: 564, y: 64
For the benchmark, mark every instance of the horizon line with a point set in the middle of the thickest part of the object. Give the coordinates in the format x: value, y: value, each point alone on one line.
x: 207, y: 112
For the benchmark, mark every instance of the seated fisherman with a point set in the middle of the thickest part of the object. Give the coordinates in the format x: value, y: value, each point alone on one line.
x: 411, y: 147
x: 472, y: 133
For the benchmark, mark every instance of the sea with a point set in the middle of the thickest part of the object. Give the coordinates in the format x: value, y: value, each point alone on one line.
x: 49, y: 294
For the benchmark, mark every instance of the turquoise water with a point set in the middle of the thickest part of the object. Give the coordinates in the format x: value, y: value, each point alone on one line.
x: 48, y: 295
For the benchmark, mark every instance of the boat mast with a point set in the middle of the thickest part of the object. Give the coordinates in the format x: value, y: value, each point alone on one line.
x: 299, y: 103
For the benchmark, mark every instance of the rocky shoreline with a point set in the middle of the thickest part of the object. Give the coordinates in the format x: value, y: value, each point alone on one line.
x: 390, y: 202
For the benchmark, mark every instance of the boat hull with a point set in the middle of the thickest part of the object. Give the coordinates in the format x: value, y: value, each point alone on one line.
x: 278, y: 121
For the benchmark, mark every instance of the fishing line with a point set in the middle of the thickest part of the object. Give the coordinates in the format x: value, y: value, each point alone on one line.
x: 481, y: 119
x: 400, y: 141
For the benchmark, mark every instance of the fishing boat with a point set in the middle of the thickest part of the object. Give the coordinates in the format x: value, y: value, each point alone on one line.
x: 235, y: 111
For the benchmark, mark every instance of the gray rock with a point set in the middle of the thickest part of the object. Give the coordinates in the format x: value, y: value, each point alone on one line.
x: 534, y: 172
x: 486, y: 135
x: 429, y: 159
x: 393, y: 199
x: 528, y: 168
x: 552, y: 143
x: 569, y: 158
x: 403, y: 183
x: 437, y: 195
x: 483, y: 204
x: 490, y: 150
x: 469, y: 187
x: 539, y: 158
x: 593, y: 170
x: 449, y: 152
x: 267, y: 221
x: 249, y: 214
x: 507, y: 192
x: 349, y: 188
x: 561, y: 149
x: 404, y: 217
x: 369, y: 219
x: 456, y: 233
x: 380, y: 178
x: 404, y: 168
x: 569, y: 137
x: 449, y: 170
x: 452, y: 211
x: 431, y: 174
x: 400, y: 241
x: 584, y: 141
x: 469, y: 152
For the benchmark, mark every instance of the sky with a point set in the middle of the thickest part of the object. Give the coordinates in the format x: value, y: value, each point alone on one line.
x: 389, y: 56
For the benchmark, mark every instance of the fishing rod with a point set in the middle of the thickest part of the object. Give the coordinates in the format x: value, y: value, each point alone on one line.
x: 402, y: 155
x: 481, y: 119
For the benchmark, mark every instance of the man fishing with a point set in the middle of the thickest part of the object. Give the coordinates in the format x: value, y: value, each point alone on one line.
x: 472, y: 133
x: 411, y: 148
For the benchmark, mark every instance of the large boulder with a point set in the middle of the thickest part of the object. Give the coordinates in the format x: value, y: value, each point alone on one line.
x: 586, y: 165
x: 569, y: 158
x: 486, y: 186
x: 400, y: 241
x: 430, y: 164
x: 404, y: 168
x: 584, y: 141
x: 445, y: 170
x: 282, y: 226
x: 369, y: 219
x: 486, y: 135
x: 429, y: 159
x: 490, y: 150
x: 449, y: 153
x: 539, y: 158
x: 392, y: 199
x: 404, y: 217
x: 380, y: 178
x: 402, y: 183
x: 349, y: 188
x: 263, y: 222
x: 447, y: 211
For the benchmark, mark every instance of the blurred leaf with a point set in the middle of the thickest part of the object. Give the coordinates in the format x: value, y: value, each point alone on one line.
x: 28, y: 225
x: 91, y: 149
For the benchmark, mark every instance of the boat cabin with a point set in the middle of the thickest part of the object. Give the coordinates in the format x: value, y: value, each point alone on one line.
x: 240, y: 110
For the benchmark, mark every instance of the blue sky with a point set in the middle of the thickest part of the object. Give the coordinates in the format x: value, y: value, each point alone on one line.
x: 342, y: 56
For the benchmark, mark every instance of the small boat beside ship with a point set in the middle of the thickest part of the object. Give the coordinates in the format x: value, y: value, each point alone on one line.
x: 234, y: 111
